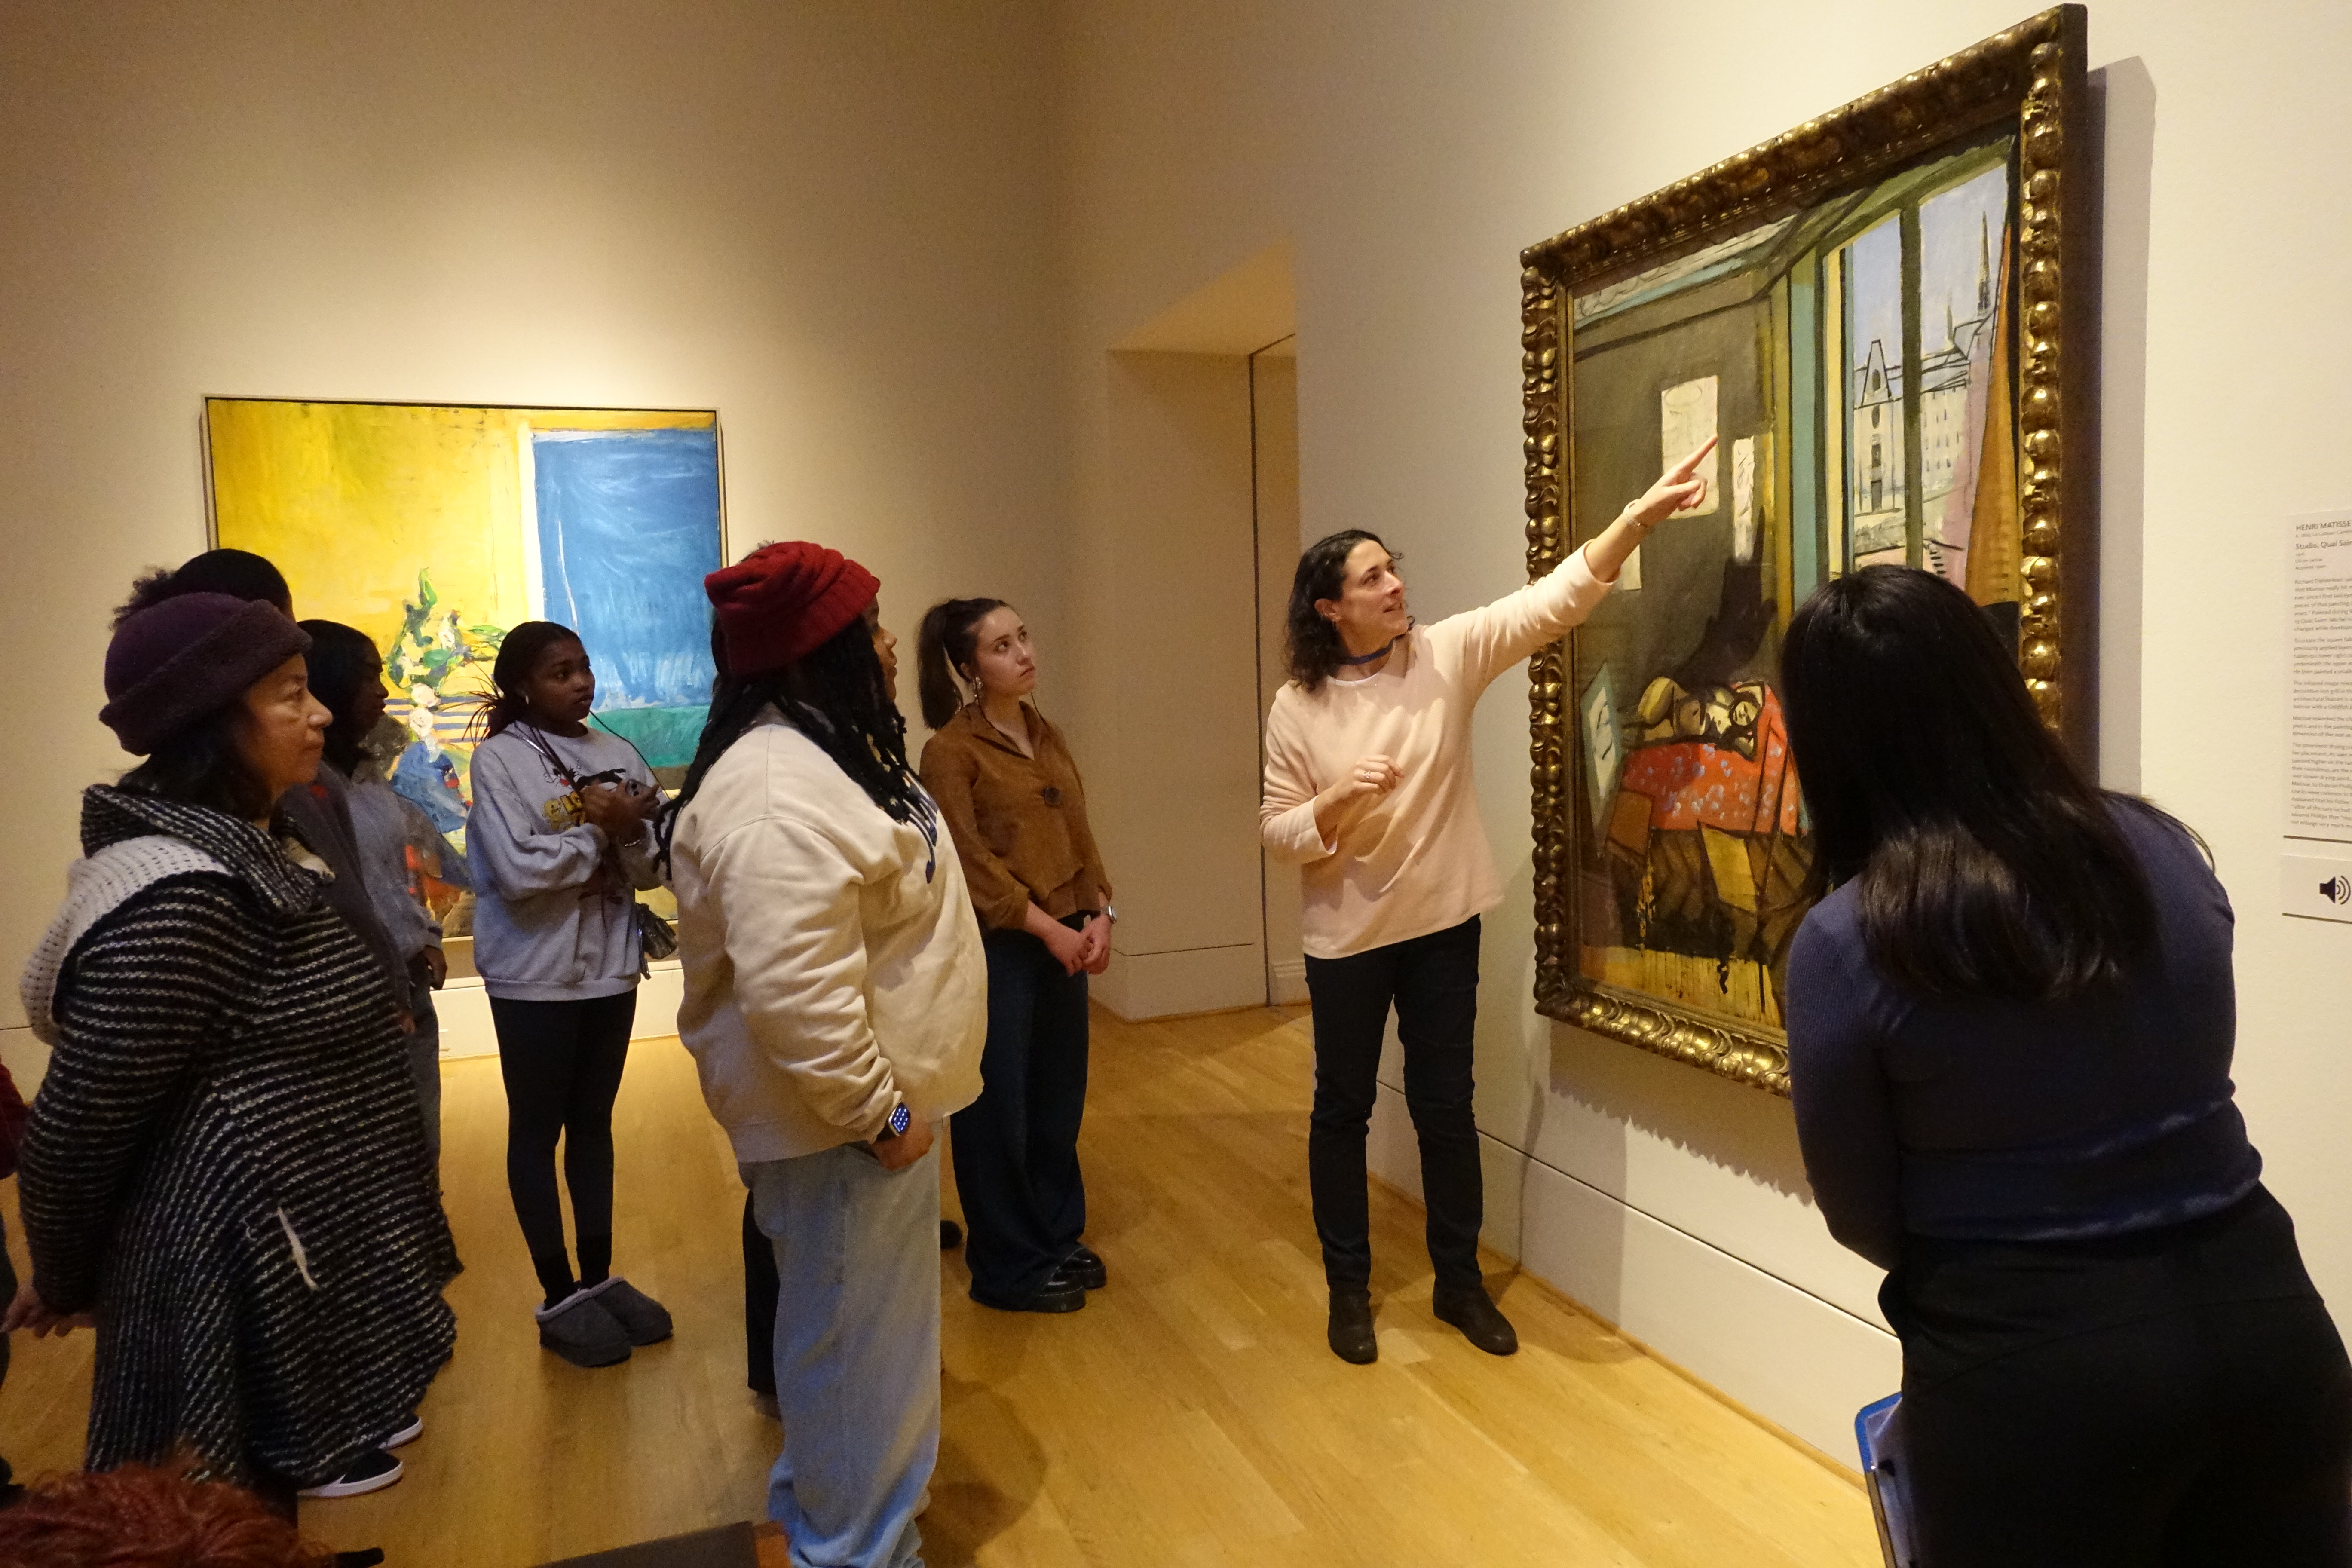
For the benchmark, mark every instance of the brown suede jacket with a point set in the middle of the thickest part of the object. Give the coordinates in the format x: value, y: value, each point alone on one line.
x: 1020, y: 823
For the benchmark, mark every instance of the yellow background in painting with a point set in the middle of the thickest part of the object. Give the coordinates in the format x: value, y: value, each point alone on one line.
x: 350, y: 499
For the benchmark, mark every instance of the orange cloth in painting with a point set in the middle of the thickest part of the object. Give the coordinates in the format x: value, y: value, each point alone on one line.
x: 1020, y: 823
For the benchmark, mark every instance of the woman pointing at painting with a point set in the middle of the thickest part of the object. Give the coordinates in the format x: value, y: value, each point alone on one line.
x: 1368, y: 786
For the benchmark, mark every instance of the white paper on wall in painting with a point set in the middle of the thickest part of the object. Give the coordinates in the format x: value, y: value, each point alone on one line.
x: 1743, y: 499
x: 1687, y: 420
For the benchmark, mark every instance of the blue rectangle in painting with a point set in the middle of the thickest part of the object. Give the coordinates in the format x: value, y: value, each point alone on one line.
x: 628, y: 527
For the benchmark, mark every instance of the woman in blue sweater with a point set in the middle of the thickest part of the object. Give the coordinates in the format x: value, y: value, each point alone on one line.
x: 2010, y: 1035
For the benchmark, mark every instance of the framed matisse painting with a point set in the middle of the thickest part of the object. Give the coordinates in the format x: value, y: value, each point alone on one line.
x: 435, y: 529
x: 1885, y: 317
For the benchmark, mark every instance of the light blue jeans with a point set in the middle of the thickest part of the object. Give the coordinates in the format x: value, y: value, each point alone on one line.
x: 857, y: 1352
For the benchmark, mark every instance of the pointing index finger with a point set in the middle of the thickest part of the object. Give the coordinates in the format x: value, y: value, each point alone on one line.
x: 1682, y: 470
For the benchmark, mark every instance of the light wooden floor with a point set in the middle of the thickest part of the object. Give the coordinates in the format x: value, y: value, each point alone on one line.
x: 1189, y: 1415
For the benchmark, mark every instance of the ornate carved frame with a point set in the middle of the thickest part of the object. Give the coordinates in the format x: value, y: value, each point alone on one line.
x: 2033, y: 74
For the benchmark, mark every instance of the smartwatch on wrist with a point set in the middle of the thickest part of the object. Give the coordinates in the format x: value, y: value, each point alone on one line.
x: 900, y: 1119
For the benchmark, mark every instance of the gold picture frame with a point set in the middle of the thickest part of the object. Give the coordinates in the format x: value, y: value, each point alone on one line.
x: 1670, y: 838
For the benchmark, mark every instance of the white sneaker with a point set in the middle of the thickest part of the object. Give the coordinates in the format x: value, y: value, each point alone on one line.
x: 370, y: 1472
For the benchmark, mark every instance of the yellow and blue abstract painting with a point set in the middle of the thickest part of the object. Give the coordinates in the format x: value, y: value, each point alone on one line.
x: 435, y: 529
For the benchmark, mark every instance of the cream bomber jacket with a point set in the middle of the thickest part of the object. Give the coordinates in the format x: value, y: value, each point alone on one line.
x: 833, y: 965
x: 1416, y: 859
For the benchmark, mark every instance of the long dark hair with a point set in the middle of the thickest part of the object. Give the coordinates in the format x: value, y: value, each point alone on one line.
x: 835, y: 694
x: 948, y: 639
x: 342, y: 660
x: 518, y: 653
x: 1986, y: 861
x: 1312, y: 649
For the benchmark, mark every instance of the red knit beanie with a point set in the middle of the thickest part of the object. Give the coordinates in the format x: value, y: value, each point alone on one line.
x: 783, y: 601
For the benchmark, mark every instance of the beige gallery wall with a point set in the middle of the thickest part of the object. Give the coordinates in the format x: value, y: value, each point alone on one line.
x: 830, y: 223
x: 1407, y: 152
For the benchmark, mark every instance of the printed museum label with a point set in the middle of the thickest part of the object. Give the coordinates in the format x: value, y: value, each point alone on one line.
x: 2319, y: 680
x: 2315, y: 870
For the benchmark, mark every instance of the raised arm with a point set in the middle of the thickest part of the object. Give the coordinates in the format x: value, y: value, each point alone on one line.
x: 1500, y: 634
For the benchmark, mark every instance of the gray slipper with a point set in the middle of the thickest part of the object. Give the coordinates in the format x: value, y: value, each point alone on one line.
x: 642, y: 1319
x: 582, y: 1331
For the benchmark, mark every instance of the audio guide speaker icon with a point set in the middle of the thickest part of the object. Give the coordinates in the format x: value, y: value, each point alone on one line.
x: 2336, y: 890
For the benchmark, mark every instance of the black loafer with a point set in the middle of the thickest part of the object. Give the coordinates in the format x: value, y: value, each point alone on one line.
x: 1084, y: 1267
x: 1481, y: 1322
x: 1350, y: 1332
x: 1059, y: 1293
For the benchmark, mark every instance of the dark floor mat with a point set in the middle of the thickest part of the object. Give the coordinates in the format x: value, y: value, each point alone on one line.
x: 730, y: 1546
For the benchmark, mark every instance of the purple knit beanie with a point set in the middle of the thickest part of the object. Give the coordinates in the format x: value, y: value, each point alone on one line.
x: 188, y: 658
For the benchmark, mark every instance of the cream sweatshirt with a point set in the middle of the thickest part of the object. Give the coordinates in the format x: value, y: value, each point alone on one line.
x: 1416, y: 859
x: 832, y: 963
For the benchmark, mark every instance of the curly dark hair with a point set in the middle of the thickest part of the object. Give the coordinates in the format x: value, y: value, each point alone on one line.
x: 142, y: 1516
x: 240, y: 573
x: 1311, y: 649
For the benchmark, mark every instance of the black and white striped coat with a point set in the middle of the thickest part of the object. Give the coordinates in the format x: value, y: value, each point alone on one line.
x: 225, y: 1161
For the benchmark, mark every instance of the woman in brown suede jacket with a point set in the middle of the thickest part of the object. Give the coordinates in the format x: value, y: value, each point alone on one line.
x: 1011, y: 795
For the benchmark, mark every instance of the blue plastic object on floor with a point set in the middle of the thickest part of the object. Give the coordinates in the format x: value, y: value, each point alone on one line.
x: 1878, y: 1433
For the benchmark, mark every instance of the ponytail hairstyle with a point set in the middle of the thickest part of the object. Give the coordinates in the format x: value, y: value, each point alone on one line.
x: 341, y: 661
x: 1312, y: 649
x: 836, y: 695
x: 948, y: 639
x: 1985, y: 863
x: 518, y: 654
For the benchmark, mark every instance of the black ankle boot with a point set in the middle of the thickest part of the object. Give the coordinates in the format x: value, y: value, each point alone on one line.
x: 1351, y: 1330
x: 1481, y: 1322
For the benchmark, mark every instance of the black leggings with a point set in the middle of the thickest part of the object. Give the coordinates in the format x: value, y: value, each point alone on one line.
x: 2173, y: 1399
x: 562, y: 1062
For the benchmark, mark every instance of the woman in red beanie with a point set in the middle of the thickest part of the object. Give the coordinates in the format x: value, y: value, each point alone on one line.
x: 834, y: 1004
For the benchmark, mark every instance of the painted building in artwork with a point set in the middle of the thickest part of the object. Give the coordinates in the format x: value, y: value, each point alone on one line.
x: 1946, y: 373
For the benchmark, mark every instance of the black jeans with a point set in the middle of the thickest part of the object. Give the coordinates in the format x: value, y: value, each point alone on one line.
x: 2171, y: 1398
x: 1016, y: 1147
x: 562, y: 1062
x: 762, y: 1290
x: 1433, y: 981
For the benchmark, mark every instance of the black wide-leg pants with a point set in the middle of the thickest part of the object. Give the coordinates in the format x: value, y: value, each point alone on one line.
x: 1016, y: 1147
x: 1432, y: 983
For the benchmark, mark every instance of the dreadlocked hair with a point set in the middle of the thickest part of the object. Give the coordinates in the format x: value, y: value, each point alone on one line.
x: 519, y: 651
x: 837, y: 696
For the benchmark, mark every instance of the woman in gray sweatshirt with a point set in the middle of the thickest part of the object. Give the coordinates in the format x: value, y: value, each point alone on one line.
x: 558, y: 838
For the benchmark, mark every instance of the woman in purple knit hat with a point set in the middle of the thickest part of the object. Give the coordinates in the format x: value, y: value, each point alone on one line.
x: 225, y: 1171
